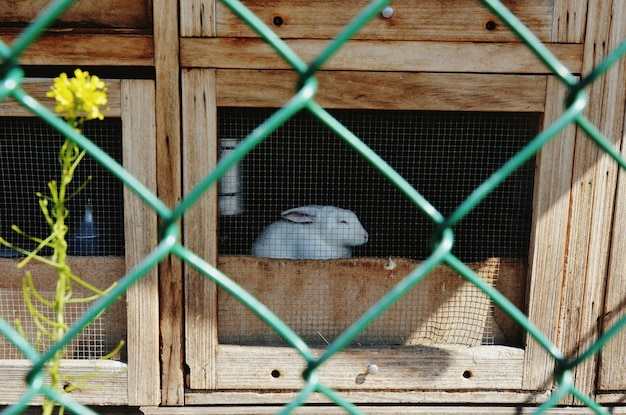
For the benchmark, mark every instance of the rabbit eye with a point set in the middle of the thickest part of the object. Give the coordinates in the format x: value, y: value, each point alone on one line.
x: 345, y: 222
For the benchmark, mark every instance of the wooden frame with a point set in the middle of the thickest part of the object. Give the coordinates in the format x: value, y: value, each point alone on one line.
x: 224, y: 67
x: 138, y: 382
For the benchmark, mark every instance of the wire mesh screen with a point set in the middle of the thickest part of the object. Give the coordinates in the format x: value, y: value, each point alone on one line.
x: 90, y: 344
x: 28, y: 153
x: 303, y: 163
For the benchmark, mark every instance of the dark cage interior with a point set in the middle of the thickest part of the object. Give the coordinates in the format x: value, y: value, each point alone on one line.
x: 29, y: 151
x: 444, y: 155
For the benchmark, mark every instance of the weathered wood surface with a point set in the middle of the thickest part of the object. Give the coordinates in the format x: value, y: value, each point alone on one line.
x: 84, y: 49
x: 503, y: 409
x: 378, y: 55
x: 109, y: 376
x: 200, y: 153
x: 140, y: 225
x: 416, y: 20
x: 388, y: 398
x: 548, y: 242
x: 612, y: 375
x: 320, y: 299
x: 169, y: 188
x: 420, y: 367
x: 388, y: 91
x: 37, y: 88
x: 593, y: 197
x: 133, y: 14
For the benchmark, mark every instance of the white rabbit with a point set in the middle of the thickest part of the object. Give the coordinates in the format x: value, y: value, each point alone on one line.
x: 311, y: 232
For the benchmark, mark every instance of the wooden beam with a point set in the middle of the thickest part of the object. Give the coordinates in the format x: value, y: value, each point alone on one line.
x: 548, y: 242
x: 437, y: 367
x: 84, y: 49
x: 426, y: 20
x: 593, y: 192
x: 140, y: 225
x: 200, y: 153
x: 378, y: 55
x: 169, y: 182
x: 388, y: 91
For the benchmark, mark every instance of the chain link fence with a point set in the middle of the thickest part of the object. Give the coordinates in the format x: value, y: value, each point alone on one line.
x: 442, y: 240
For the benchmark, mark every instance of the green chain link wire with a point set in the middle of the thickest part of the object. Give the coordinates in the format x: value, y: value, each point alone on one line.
x: 442, y: 240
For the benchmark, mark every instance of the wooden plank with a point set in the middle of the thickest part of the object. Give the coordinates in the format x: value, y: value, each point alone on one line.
x: 140, y: 224
x: 389, y: 91
x: 110, y: 375
x: 414, y: 20
x: 391, y: 399
x: 85, y: 49
x: 548, y: 242
x: 169, y: 182
x: 84, y: 13
x: 610, y: 377
x: 377, y: 55
x: 197, y: 18
x: 467, y: 409
x: 438, y: 367
x: 442, y: 309
x: 38, y: 87
x: 593, y: 192
x: 200, y: 154
x: 569, y: 20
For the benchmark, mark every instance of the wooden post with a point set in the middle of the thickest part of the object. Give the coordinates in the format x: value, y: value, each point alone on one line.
x: 169, y: 190
x: 140, y: 223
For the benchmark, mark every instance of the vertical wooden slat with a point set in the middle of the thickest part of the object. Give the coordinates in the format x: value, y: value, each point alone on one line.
x: 197, y: 18
x: 140, y: 224
x: 166, y: 45
x: 611, y: 374
x: 593, y: 192
x: 569, y: 20
x: 549, y: 236
x: 200, y: 224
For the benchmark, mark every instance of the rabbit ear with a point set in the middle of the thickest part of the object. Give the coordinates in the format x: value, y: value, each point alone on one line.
x: 302, y: 214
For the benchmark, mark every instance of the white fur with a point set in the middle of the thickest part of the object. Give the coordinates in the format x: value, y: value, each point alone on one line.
x: 311, y: 232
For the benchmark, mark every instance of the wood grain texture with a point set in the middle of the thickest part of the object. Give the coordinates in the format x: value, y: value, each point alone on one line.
x: 200, y: 153
x: 134, y: 14
x: 74, y: 49
x: 548, y: 242
x: 411, y: 20
x: 593, y: 192
x: 420, y: 367
x: 409, y: 399
x: 197, y: 18
x: 140, y: 224
x: 611, y: 374
x: 110, y: 376
x: 409, y: 409
x: 38, y: 87
x: 379, y: 55
x: 169, y: 182
x: 379, y: 90
x: 570, y: 18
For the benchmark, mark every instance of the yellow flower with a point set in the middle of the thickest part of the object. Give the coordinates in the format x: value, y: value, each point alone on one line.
x: 79, y: 98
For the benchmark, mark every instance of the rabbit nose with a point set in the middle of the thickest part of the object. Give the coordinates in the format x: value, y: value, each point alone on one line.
x: 365, y: 236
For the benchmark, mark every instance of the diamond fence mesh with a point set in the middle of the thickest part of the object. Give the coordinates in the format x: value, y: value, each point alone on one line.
x: 442, y: 240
